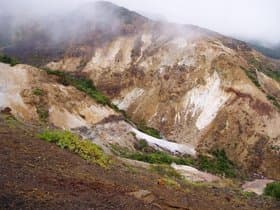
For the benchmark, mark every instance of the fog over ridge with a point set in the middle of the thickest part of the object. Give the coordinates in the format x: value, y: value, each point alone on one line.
x: 245, y: 19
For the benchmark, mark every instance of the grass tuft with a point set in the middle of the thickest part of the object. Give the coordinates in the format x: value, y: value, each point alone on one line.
x: 82, y: 84
x: 273, y: 190
x: 42, y: 112
x: 148, y: 130
x: 274, y: 101
x: 166, y: 171
x: 8, y: 60
x: 38, y: 92
x: 156, y: 157
x: 84, y: 148
x: 219, y: 164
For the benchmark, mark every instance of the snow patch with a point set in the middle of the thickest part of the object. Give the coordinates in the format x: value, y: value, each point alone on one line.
x: 163, y: 144
x: 206, y: 101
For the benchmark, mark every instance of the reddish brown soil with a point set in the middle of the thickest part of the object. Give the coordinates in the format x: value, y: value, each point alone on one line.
x: 39, y: 175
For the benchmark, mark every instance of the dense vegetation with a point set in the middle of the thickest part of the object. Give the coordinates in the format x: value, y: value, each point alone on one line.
x: 218, y: 163
x: 159, y: 157
x: 84, y: 148
x: 8, y: 60
x: 38, y: 92
x: 149, y: 155
x: 273, y: 190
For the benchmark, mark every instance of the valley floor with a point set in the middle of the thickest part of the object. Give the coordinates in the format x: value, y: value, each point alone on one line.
x: 39, y: 175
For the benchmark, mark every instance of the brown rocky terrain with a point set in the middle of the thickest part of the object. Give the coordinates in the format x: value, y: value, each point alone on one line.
x: 39, y: 175
x: 202, y: 91
x: 193, y: 85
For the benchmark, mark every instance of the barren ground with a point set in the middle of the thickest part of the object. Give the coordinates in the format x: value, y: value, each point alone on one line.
x: 39, y: 175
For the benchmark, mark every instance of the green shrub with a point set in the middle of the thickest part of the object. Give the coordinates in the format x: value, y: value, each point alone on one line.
x: 272, y: 74
x: 148, y: 130
x: 118, y: 150
x: 166, y: 171
x: 82, y: 84
x: 8, y: 60
x: 219, y: 164
x: 274, y: 101
x: 157, y: 157
x: 253, y: 77
x: 11, y: 121
x: 37, y: 92
x: 273, y: 190
x: 84, y: 148
x: 142, y: 145
x: 42, y: 112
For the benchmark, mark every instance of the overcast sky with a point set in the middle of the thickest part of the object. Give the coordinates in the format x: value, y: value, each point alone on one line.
x: 247, y: 19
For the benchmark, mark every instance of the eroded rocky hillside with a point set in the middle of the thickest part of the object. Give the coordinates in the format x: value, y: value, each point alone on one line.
x: 196, y: 87
x: 35, y: 97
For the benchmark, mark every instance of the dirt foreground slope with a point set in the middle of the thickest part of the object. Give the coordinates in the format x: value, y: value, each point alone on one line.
x: 39, y: 175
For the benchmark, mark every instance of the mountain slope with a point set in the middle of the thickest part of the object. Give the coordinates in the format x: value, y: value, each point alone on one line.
x: 35, y: 97
x: 181, y: 84
x: 36, y: 174
x: 196, y: 86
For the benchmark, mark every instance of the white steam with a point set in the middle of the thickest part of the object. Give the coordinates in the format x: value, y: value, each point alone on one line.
x: 245, y: 19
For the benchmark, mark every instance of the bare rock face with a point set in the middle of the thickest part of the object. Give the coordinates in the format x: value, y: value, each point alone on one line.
x: 33, y: 96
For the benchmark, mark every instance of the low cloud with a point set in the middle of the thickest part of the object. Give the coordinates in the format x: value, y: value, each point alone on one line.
x: 245, y: 19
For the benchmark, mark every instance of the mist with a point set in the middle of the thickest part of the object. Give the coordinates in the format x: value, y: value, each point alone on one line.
x: 253, y: 20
